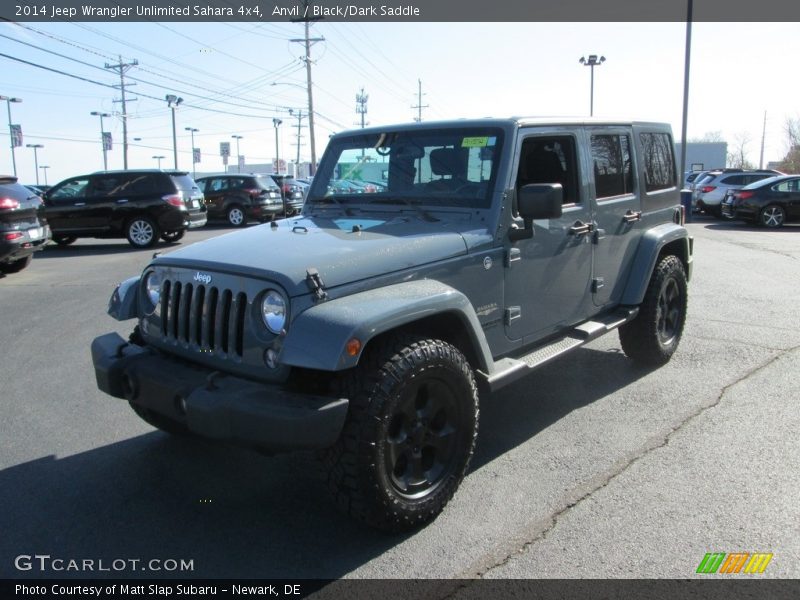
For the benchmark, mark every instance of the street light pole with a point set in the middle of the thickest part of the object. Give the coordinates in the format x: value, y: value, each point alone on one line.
x: 36, y: 158
x: 11, y: 130
x: 192, y: 130
x: 276, y: 122
x: 102, y: 138
x: 173, y: 102
x: 158, y: 158
x: 238, y: 153
x: 592, y: 62
x: 44, y: 169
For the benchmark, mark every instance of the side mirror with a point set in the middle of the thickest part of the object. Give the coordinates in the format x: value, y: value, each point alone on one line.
x: 537, y: 201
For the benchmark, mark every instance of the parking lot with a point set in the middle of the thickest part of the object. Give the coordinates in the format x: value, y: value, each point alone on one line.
x: 612, y: 471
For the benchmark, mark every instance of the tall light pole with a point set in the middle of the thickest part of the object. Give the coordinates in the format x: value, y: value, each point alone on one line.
x: 173, y: 102
x: 192, y: 130
x: 36, y: 158
x: 44, y: 169
x: 11, y: 129
x: 592, y: 62
x: 102, y: 136
x: 158, y: 158
x: 276, y: 122
x: 238, y: 154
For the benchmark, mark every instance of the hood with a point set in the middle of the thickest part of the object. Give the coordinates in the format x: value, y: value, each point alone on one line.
x: 342, y: 250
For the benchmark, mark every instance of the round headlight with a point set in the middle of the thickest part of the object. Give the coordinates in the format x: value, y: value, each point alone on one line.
x: 152, y: 284
x: 273, y: 311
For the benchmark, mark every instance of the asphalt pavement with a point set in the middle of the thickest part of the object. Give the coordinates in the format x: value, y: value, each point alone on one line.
x: 588, y: 468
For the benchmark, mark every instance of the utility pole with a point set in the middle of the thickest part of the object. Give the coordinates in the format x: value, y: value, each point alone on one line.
x: 308, y: 41
x: 299, y: 136
x: 763, y: 137
x: 419, y: 105
x: 122, y: 68
x: 361, y: 106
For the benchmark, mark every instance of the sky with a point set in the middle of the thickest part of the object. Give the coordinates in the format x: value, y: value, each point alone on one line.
x: 225, y: 73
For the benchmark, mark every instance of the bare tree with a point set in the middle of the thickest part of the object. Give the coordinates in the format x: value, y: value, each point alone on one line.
x: 737, y: 159
x: 708, y: 137
x: 791, y: 161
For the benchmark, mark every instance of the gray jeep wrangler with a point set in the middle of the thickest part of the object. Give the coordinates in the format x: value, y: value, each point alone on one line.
x: 433, y: 263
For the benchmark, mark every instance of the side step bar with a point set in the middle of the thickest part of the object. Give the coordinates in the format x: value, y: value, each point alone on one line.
x: 508, y: 370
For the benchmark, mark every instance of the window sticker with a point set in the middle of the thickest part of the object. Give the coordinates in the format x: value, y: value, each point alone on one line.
x: 475, y: 142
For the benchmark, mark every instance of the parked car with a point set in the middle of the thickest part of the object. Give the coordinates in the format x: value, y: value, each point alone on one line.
x: 292, y: 190
x: 710, y: 191
x: 237, y: 198
x: 140, y: 205
x: 372, y: 326
x: 23, y: 230
x: 769, y: 202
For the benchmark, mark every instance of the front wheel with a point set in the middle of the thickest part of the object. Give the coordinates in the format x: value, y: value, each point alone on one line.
x: 653, y: 336
x: 64, y: 240
x: 142, y: 232
x: 173, y: 236
x: 409, y: 435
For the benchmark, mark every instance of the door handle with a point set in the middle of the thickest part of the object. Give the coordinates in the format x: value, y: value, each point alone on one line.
x: 580, y: 228
x: 631, y: 216
x: 80, y: 204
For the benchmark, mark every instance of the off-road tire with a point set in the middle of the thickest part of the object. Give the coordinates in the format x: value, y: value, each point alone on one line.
x: 16, y: 266
x: 409, y: 434
x: 158, y: 421
x: 64, y: 240
x: 653, y: 336
x: 142, y: 232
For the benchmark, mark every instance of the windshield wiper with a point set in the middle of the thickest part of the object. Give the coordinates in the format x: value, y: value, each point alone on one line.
x: 330, y: 199
x: 393, y: 200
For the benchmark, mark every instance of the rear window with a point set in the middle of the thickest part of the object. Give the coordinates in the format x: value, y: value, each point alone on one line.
x: 659, y: 161
x: 263, y: 183
x: 15, y: 191
x: 184, y: 183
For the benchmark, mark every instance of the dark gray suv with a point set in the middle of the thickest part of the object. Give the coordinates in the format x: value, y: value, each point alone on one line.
x: 367, y: 327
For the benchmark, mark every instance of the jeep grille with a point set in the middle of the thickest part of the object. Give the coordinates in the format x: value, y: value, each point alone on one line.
x: 207, y: 316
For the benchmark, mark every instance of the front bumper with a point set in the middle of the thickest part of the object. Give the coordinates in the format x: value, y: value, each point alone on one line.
x: 216, y: 405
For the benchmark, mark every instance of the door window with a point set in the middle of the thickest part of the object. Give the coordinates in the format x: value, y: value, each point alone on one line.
x: 74, y: 188
x: 613, y: 172
x: 550, y: 160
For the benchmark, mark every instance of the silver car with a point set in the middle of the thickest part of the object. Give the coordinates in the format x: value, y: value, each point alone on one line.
x: 710, y: 190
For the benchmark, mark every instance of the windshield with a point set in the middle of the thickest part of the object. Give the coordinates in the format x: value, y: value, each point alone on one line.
x: 439, y: 167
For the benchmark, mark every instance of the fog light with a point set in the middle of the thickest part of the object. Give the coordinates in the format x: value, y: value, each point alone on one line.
x: 271, y: 358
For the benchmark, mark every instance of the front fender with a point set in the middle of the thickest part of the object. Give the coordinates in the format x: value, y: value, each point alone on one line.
x: 317, y: 338
x: 650, y: 246
x: 125, y: 299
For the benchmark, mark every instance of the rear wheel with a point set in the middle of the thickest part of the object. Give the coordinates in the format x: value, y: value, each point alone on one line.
x: 142, y: 232
x: 15, y: 266
x: 236, y: 216
x: 64, y: 240
x: 772, y: 216
x: 653, y: 336
x: 409, y: 435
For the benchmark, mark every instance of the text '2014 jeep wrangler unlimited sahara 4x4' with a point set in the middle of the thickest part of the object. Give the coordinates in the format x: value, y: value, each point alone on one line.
x: 366, y: 327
